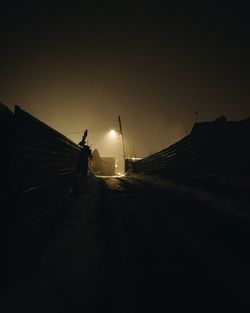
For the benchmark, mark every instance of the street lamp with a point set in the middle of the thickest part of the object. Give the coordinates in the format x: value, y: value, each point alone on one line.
x: 123, y: 147
x: 113, y: 134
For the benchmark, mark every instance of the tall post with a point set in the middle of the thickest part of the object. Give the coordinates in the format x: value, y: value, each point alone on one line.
x: 123, y: 147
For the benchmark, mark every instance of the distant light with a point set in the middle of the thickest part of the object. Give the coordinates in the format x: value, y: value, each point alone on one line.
x: 135, y: 159
x: 113, y: 134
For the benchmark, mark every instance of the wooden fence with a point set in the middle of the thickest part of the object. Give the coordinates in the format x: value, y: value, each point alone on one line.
x: 46, y: 168
x: 218, y: 148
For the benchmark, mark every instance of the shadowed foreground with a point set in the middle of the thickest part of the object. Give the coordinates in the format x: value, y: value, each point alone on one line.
x: 133, y: 245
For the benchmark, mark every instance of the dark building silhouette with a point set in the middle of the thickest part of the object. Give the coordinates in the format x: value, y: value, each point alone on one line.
x: 102, y: 165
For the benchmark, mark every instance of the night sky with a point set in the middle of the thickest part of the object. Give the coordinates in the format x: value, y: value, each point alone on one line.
x: 80, y: 66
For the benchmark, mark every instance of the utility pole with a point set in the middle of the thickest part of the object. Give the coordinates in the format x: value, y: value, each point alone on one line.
x: 123, y: 147
x: 133, y: 151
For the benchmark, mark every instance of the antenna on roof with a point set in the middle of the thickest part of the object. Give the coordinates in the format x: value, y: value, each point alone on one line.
x: 196, y: 115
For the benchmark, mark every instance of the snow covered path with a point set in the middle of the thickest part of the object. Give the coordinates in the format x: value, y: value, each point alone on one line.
x: 130, y: 244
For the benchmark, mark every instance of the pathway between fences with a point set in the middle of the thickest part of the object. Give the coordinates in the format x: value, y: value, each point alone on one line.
x: 131, y: 244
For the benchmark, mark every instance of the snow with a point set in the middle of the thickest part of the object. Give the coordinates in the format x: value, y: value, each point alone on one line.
x: 181, y: 191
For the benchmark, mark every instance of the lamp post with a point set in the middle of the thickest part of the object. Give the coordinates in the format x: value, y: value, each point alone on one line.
x: 113, y: 134
x: 123, y: 147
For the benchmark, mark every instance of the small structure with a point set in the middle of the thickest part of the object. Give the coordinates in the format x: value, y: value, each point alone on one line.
x: 108, y: 166
x: 102, y: 165
x: 129, y: 163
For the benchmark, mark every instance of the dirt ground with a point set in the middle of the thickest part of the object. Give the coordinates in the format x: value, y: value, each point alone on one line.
x: 129, y: 244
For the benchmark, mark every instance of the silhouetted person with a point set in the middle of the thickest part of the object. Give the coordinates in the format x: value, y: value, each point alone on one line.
x: 83, y: 141
x: 86, y: 153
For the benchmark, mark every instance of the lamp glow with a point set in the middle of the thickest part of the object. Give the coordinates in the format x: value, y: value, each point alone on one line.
x: 113, y: 134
